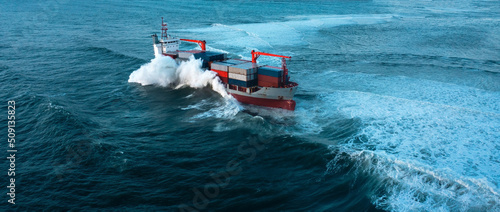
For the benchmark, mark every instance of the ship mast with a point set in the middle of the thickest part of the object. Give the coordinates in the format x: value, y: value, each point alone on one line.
x: 163, y: 30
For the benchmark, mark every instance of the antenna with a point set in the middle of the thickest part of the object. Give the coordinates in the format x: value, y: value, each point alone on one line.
x: 163, y: 30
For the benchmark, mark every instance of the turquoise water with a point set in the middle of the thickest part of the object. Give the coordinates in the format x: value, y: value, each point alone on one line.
x: 398, y: 107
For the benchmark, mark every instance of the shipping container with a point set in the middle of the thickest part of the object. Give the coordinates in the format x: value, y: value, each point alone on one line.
x: 220, y: 66
x: 242, y: 83
x: 224, y: 65
x: 220, y: 73
x: 268, y: 81
x: 223, y: 79
x: 187, y: 54
x: 261, y: 77
x: 215, y: 56
x: 270, y: 71
x: 244, y: 68
x: 242, y: 77
x: 205, y: 56
x: 184, y: 57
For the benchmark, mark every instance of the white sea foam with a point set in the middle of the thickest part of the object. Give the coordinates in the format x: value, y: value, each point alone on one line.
x: 226, y: 109
x: 161, y: 71
x: 436, y: 92
x: 427, y: 156
x: 164, y: 71
x: 432, y: 145
x: 282, y: 33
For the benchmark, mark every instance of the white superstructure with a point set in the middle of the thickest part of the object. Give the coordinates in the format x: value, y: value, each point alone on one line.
x: 166, y: 44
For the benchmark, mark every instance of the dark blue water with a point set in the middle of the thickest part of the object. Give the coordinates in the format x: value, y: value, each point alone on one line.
x: 398, y: 107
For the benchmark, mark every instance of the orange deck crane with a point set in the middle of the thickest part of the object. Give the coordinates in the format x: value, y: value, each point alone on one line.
x: 256, y: 55
x: 201, y: 43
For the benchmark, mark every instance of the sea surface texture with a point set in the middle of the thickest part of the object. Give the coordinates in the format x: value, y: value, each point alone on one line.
x: 398, y: 107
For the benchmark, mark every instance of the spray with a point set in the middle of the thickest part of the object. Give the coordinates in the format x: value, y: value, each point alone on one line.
x: 164, y: 71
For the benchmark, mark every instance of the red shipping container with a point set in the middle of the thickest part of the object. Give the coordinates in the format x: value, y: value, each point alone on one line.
x: 223, y: 79
x: 220, y: 73
x: 268, y: 81
x: 266, y: 78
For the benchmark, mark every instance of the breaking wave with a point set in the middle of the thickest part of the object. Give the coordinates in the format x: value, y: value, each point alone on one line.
x: 164, y: 71
x: 426, y: 156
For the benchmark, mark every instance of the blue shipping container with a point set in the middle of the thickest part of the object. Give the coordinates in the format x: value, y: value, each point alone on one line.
x: 240, y: 83
x: 212, y: 56
x: 203, y: 56
x: 268, y: 71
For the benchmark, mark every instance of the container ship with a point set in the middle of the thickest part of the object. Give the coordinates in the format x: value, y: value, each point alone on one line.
x: 247, y: 81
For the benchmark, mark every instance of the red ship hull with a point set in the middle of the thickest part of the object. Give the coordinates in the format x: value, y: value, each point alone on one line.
x: 283, y: 104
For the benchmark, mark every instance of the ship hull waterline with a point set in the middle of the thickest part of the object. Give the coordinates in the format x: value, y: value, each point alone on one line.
x: 274, y: 103
x: 267, y: 97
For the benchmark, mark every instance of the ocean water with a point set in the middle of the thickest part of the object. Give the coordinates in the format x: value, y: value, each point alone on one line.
x: 398, y: 107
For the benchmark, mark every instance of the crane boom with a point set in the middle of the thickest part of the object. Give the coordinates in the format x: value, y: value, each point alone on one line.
x: 256, y: 55
x: 201, y: 43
